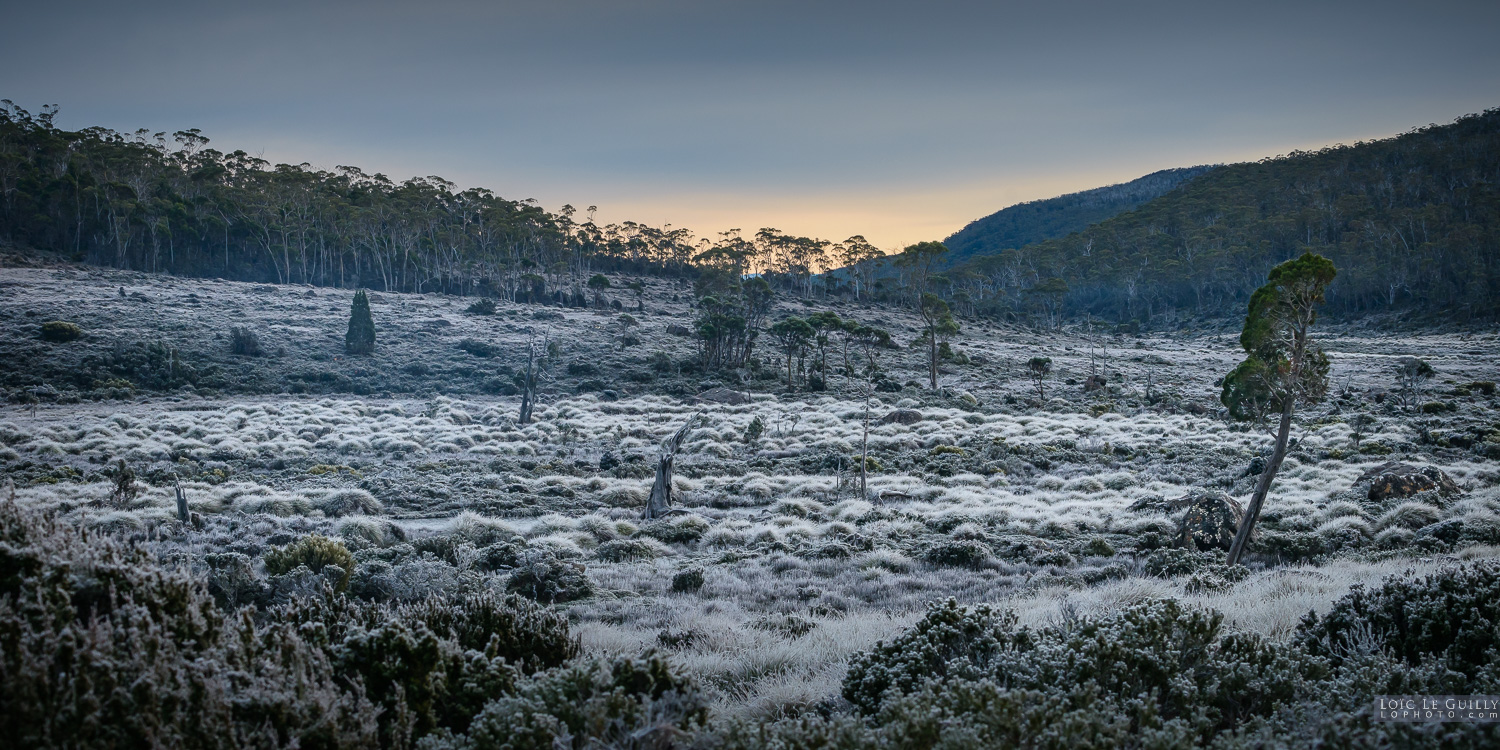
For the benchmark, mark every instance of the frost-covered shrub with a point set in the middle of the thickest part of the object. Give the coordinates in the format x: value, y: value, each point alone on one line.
x: 688, y: 581
x: 626, y: 550
x: 1448, y: 616
x: 103, y: 647
x: 314, y: 552
x: 619, y: 703
x: 1155, y: 665
x: 681, y: 530
x: 545, y: 578
x: 960, y: 553
x: 232, y: 580
x: 244, y: 342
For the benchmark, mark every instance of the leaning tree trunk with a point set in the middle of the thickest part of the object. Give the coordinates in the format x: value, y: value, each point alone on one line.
x: 1252, y: 512
x: 660, y: 501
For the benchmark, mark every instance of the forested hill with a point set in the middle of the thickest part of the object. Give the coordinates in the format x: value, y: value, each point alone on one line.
x: 1413, y: 223
x: 1037, y: 221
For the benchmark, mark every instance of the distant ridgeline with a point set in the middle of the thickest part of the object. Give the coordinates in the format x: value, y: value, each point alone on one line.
x: 1412, y: 222
x: 1037, y: 221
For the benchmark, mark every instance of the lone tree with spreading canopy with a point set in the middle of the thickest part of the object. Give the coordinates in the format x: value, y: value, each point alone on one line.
x: 1283, y: 365
x: 361, y: 336
x: 794, y: 334
x: 937, y: 324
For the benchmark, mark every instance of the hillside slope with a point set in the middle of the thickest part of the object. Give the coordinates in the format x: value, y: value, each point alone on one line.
x: 1413, y: 223
x: 1041, y: 220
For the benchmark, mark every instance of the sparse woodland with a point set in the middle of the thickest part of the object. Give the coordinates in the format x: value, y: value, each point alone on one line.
x: 647, y: 500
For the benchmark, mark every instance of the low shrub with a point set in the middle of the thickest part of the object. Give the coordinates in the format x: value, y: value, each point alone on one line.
x: 682, y: 530
x: 638, y: 703
x: 957, y: 554
x: 688, y: 581
x: 478, y: 348
x: 625, y: 550
x: 313, y: 552
x: 61, y: 332
x: 481, y: 306
x: 244, y: 342
x: 547, y: 579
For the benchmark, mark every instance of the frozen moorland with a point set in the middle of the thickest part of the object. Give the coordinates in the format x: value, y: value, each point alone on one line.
x: 775, y: 569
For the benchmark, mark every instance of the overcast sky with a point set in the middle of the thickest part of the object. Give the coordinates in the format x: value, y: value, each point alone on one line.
x: 899, y: 121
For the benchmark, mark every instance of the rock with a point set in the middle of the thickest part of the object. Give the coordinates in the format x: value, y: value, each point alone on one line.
x: 902, y: 416
x: 679, y: 330
x: 1397, y: 480
x: 1211, y: 520
x: 1093, y: 383
x: 724, y: 396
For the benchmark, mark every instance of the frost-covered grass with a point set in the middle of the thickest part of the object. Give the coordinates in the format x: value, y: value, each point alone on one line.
x: 993, y: 496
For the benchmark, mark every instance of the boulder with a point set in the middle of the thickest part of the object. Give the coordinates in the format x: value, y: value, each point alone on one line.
x: 1093, y: 383
x: 724, y: 396
x: 678, y: 330
x: 1397, y: 480
x: 902, y: 416
x: 1209, y: 522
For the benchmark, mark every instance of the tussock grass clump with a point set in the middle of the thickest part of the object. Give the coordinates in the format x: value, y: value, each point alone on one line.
x: 349, y: 502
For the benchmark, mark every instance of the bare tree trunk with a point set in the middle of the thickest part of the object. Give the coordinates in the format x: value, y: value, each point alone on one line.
x: 660, y: 501
x: 932, y: 355
x: 864, y: 446
x: 182, y: 509
x: 1252, y: 512
x: 528, y: 382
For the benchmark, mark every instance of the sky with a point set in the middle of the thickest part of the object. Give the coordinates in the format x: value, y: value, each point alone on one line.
x: 898, y: 121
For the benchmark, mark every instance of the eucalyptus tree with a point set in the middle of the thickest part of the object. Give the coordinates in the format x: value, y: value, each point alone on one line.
x: 937, y: 324
x: 1283, y: 365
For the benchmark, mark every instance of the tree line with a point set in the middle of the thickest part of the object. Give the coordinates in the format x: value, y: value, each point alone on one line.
x: 157, y: 203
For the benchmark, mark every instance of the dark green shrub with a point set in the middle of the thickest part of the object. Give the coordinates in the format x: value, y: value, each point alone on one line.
x: 1448, y: 616
x: 481, y: 306
x: 550, y: 580
x: 61, y: 332
x: 688, y: 581
x: 313, y: 551
x: 957, y: 554
x: 636, y: 703
x: 244, y: 342
x: 1155, y: 665
x: 360, y: 339
x: 478, y: 348
x: 1099, y: 547
x: 625, y: 550
x: 685, y: 530
x: 1487, y: 387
